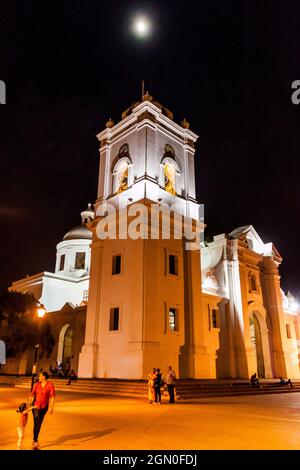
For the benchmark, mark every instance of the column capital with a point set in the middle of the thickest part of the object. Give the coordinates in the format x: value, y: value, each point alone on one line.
x: 269, y: 265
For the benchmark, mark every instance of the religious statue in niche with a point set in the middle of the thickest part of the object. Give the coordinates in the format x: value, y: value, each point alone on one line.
x: 121, y: 174
x: 169, y: 175
x: 169, y: 170
x: 122, y: 178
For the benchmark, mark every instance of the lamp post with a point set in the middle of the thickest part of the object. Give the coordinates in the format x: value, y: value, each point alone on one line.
x: 40, y: 313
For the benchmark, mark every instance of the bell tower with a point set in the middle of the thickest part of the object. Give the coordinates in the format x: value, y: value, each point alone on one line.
x: 147, y: 155
x: 145, y: 304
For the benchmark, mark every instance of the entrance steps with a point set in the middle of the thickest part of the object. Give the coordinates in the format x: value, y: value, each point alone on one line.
x: 185, y: 389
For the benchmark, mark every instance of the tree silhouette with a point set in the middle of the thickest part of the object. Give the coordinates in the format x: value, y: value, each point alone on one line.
x: 19, y: 327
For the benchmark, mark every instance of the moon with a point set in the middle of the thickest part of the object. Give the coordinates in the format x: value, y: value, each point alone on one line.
x: 141, y: 26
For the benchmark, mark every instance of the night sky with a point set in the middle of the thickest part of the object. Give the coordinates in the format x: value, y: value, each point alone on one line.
x: 225, y: 66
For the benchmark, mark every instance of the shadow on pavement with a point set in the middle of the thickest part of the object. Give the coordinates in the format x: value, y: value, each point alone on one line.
x: 80, y: 437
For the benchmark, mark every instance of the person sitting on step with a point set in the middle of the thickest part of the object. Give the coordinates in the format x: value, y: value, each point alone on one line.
x: 72, y: 376
x: 254, y: 381
x: 285, y: 382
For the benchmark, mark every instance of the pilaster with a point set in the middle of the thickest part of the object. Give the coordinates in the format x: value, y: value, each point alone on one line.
x: 88, y: 356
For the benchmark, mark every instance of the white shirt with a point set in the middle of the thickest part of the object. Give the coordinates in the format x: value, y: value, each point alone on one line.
x: 171, y: 377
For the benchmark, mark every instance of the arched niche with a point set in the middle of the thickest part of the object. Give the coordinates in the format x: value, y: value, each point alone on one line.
x: 169, y: 175
x: 121, y: 175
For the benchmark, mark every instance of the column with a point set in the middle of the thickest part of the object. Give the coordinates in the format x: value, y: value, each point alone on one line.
x: 88, y: 356
x: 273, y: 303
x: 194, y: 359
x: 236, y: 320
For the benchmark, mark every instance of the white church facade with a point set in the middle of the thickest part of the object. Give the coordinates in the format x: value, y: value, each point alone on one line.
x: 215, y: 311
x: 70, y: 280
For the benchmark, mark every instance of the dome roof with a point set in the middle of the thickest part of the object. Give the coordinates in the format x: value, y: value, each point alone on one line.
x: 80, y: 232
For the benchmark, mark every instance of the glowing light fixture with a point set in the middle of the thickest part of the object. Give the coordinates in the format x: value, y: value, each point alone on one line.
x: 141, y: 26
x: 41, y: 311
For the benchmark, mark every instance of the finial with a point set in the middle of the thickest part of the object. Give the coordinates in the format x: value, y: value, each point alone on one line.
x: 143, y: 88
x: 87, y: 215
x: 185, y: 124
x: 147, y: 97
x: 110, y: 123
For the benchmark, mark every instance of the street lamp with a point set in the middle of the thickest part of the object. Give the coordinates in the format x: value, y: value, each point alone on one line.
x: 40, y: 313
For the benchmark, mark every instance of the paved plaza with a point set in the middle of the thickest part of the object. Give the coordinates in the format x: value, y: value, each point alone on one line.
x: 97, y: 422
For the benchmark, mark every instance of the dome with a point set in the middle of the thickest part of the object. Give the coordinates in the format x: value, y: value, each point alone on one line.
x: 80, y: 232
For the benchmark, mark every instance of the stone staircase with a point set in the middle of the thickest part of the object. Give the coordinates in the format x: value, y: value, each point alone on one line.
x: 185, y: 389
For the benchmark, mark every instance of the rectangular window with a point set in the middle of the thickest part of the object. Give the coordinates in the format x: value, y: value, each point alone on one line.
x: 173, y: 265
x: 62, y: 262
x: 85, y: 295
x: 173, y: 319
x: 114, y: 319
x: 116, y: 265
x: 214, y: 318
x: 288, y: 331
x: 80, y: 260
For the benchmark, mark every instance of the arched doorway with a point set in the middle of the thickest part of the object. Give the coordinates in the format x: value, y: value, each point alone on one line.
x: 67, y: 350
x: 255, y: 335
x: 65, y: 345
x: 260, y: 340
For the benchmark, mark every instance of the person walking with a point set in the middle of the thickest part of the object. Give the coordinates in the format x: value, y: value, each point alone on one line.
x: 157, y: 387
x: 42, y: 398
x: 171, y: 378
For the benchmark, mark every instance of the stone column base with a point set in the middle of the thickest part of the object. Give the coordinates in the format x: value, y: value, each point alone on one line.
x: 196, y: 363
x: 292, y: 365
x: 87, y: 362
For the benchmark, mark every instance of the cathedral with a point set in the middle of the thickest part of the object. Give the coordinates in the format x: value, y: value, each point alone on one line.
x: 119, y: 306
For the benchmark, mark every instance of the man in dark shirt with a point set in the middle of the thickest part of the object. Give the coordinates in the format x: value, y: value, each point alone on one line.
x: 157, y: 386
x: 254, y: 381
